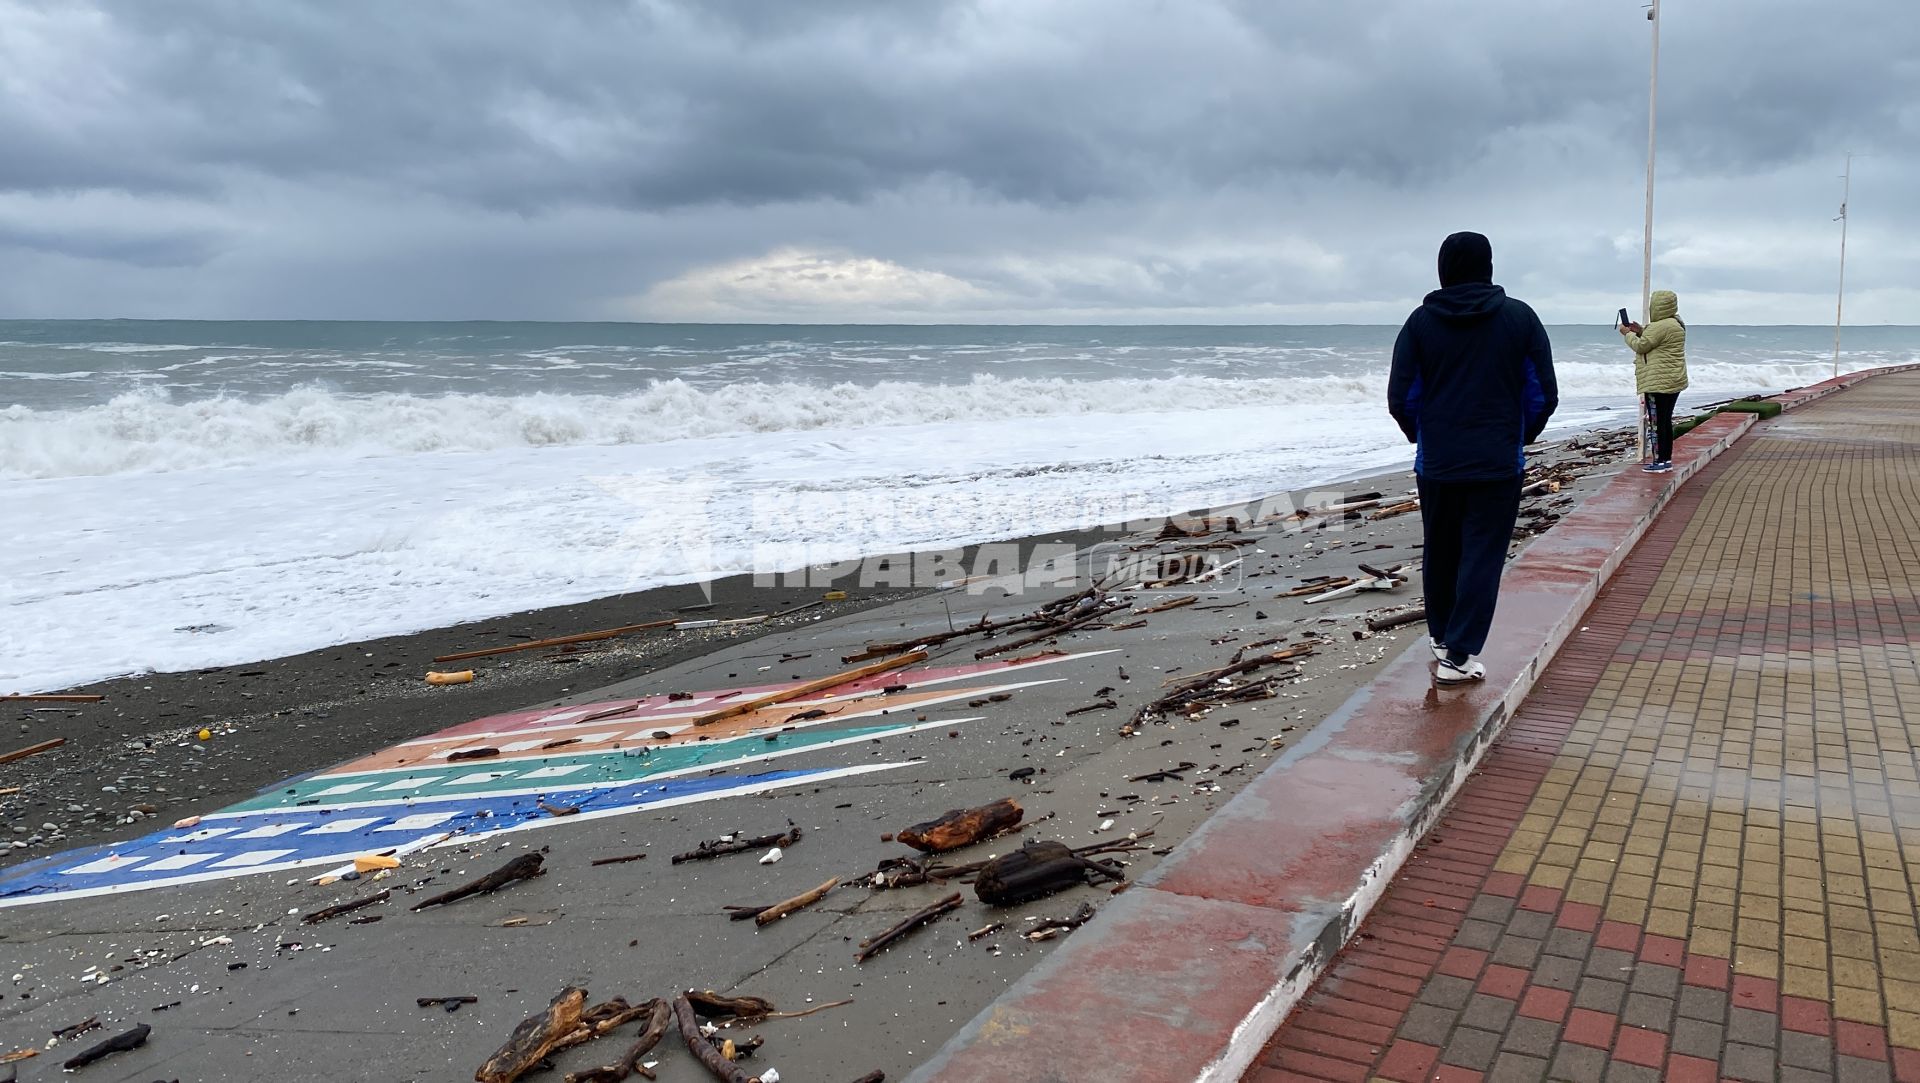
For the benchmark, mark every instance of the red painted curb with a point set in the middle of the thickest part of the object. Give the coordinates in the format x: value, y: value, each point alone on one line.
x: 1190, y: 973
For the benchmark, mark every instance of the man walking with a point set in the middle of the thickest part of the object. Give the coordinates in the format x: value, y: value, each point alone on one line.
x: 1472, y: 385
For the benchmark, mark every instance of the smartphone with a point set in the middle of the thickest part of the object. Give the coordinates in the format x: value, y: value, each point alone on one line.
x: 1622, y: 320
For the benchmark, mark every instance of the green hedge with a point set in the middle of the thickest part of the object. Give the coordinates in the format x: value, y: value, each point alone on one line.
x: 1763, y: 407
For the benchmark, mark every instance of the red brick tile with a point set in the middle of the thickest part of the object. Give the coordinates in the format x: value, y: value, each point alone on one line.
x: 1541, y: 1002
x: 1318, y: 1067
x: 1636, y: 1046
x: 1327, y: 1045
x: 1386, y: 957
x: 1428, y: 944
x: 1263, y: 1073
x: 1681, y: 1069
x: 1708, y: 971
x: 1343, y: 1026
x: 1906, y: 1065
x: 1860, y: 1040
x: 1541, y: 898
x: 1583, y: 917
x: 1448, y: 1073
x: 1507, y: 885
x: 1664, y: 950
x: 1760, y: 994
x: 1588, y: 1027
x: 1806, y: 1016
x: 1364, y: 974
x: 1506, y: 982
x: 1463, y: 963
x: 1407, y: 1062
x: 1618, y: 935
x: 1346, y: 986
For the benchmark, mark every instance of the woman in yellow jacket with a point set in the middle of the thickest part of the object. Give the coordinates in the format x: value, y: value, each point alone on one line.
x: 1660, y: 368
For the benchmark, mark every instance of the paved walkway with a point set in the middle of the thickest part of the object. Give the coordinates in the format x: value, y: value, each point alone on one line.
x: 1694, y: 855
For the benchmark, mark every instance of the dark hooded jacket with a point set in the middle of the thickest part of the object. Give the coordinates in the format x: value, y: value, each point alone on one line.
x: 1472, y: 380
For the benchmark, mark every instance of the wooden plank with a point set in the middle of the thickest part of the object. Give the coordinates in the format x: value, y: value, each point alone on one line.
x: 558, y: 641
x: 820, y: 685
x: 32, y: 750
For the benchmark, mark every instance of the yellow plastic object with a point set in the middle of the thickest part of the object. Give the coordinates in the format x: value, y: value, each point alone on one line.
x: 835, y: 596
x: 463, y: 676
x: 205, y: 734
x: 372, y: 862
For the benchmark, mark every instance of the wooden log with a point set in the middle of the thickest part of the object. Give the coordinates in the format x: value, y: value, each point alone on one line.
x: 875, y: 945
x: 524, y: 867
x: 54, y: 697
x: 557, y: 641
x: 1382, y: 624
x: 1042, y: 636
x: 32, y: 750
x: 703, y: 1051
x: 330, y: 912
x: 659, y: 1018
x: 622, y: 859
x: 722, y: 847
x: 810, y: 687
x: 1397, y: 509
x: 1317, y: 586
x: 535, y: 1037
x: 798, y: 902
x: 119, y: 1043
x: 1174, y: 603
x: 881, y: 650
x: 961, y: 827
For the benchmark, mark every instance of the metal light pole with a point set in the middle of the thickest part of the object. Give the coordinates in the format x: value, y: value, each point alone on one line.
x: 1646, y: 250
x: 1840, y: 299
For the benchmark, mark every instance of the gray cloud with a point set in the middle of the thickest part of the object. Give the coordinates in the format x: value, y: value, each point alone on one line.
x: 1112, y: 160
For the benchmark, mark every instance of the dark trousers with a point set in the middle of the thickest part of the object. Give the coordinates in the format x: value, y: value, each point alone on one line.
x: 1663, y: 423
x: 1468, y: 526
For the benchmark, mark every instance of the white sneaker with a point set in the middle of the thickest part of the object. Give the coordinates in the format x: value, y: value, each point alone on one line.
x: 1470, y: 670
x: 1438, y: 648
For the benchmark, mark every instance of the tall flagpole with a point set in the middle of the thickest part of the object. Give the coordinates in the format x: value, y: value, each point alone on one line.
x: 1840, y: 299
x: 1646, y: 251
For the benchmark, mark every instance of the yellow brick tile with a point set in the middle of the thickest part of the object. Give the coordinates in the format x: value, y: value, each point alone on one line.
x: 1553, y: 876
x: 1514, y: 861
x: 1673, y: 923
x: 1758, y: 962
x: 1799, y: 981
x: 1758, y: 934
x: 1903, y: 1029
x: 1632, y: 911
x: 1804, y: 952
x: 1856, y: 973
x: 1901, y: 995
x: 1859, y: 1005
x: 1591, y: 892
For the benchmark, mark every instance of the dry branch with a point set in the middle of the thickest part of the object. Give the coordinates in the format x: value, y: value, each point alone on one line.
x: 870, y: 948
x: 557, y: 641
x: 32, y: 750
x: 961, y: 827
x: 807, y: 688
x: 524, y: 867
x: 535, y: 1037
x: 329, y: 912
x: 703, y: 1051
x: 798, y: 902
x: 722, y: 847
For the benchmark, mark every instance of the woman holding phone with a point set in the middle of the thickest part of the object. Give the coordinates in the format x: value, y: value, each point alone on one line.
x: 1660, y: 368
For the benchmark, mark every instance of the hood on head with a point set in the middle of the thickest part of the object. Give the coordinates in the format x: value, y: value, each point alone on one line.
x: 1465, y: 257
x: 1663, y: 305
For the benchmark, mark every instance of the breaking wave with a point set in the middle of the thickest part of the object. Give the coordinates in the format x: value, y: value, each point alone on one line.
x: 147, y: 431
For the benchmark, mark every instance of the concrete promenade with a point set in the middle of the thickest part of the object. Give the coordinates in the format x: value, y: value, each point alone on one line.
x: 1694, y: 852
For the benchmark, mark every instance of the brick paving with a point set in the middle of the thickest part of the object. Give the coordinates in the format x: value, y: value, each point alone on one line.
x: 1694, y: 853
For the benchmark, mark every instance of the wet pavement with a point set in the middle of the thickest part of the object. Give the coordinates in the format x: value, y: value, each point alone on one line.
x: 1694, y: 853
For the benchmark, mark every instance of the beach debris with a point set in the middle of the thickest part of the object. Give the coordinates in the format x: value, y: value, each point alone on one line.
x: 821, y: 684
x: 91, y: 1022
x: 875, y: 1076
x: 772, y: 856
x: 1395, y: 509
x: 1170, y: 774
x: 1052, y: 927
x: 703, y: 1050
x: 462, y: 676
x: 329, y: 912
x: 1034, y: 871
x: 557, y: 810
x: 557, y: 641
x: 32, y: 750
x: 734, y: 844
x: 54, y: 697
x: 1395, y: 620
x: 623, y: 858
x: 874, y: 945
x: 1095, y: 612
x: 535, y: 1037
x: 1100, y: 705
x: 1315, y: 585
x: 375, y: 862
x: 961, y: 827
x: 659, y: 1018
x: 524, y: 867
x: 18, y: 1055
x: 480, y: 753
x: 119, y: 1043
x: 186, y: 821
x: 798, y: 902
x: 986, y: 930
x: 450, y: 1003
x: 205, y: 734
x: 1172, y: 603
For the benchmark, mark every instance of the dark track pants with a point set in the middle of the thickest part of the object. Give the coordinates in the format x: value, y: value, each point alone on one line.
x: 1663, y: 424
x: 1468, y: 526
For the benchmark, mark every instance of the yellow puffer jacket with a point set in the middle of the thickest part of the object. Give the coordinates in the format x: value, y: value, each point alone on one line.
x: 1660, y: 349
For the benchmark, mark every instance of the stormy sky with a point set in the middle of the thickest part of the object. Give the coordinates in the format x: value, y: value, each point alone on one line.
x: 1028, y: 161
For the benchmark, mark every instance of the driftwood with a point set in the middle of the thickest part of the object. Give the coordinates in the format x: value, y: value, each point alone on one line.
x: 472, y: 754
x: 1201, y: 689
x: 450, y: 1003
x: 1381, y: 624
x: 557, y: 641
x: 659, y: 1018
x: 1049, y: 633
x: 535, y: 1038
x: 524, y: 867
x: 703, y: 1051
x: 1396, y: 509
x: 119, y: 1043
x: 1101, y: 705
x: 1175, y: 603
x: 32, y: 750
x: 617, y: 860
x: 735, y: 845
x: 962, y: 827
x: 1352, y: 501
x: 1049, y: 928
x: 91, y: 1022
x: 798, y: 902
x: 54, y: 697
x: 873, y: 946
x: 330, y: 912
x: 809, y: 687
x: 1316, y: 586
x: 1035, y: 871
x: 981, y: 627
x: 711, y: 1005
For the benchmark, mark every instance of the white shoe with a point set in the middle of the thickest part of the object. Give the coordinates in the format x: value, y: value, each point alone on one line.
x: 1438, y: 648
x: 1448, y: 673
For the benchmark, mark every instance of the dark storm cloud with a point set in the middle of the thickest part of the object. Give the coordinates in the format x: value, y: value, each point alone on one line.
x: 648, y: 139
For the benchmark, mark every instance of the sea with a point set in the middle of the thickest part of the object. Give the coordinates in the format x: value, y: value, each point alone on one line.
x: 177, y: 495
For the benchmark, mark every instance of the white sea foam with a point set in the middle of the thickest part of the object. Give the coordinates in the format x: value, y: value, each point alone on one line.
x: 147, y: 431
